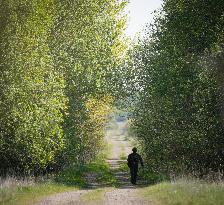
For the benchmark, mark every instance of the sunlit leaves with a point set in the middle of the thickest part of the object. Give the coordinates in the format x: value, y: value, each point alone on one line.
x: 57, y: 59
x: 89, y: 37
x: 177, y: 115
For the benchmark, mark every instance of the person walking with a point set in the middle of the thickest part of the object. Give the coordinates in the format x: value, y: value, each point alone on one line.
x: 133, y: 160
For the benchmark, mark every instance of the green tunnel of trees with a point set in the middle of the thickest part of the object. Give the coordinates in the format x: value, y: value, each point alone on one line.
x: 55, y: 61
x: 64, y: 64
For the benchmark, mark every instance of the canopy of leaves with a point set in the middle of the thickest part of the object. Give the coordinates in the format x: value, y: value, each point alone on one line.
x: 178, y: 116
x: 56, y: 61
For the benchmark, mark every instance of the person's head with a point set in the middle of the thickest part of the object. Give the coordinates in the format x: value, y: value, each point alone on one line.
x: 134, y: 149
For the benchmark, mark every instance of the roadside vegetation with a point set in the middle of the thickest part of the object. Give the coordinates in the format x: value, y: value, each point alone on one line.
x: 178, y: 89
x: 28, y: 190
x: 185, y: 192
x: 25, y: 192
x: 98, y: 172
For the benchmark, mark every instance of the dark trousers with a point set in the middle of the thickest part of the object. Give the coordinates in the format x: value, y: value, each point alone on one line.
x: 134, y: 174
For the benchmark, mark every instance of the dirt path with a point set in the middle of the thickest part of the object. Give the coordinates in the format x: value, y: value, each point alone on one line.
x: 65, y: 198
x: 124, y: 195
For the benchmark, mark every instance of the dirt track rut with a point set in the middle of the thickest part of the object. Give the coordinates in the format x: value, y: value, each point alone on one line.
x: 124, y: 195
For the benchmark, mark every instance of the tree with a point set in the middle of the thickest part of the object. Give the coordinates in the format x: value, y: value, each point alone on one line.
x: 57, y: 60
x: 31, y: 90
x: 87, y: 44
x: 178, y: 116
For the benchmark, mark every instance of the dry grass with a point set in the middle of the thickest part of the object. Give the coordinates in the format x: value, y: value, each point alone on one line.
x: 186, y: 192
x: 15, y: 191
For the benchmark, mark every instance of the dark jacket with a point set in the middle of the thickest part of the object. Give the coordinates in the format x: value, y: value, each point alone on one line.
x: 134, y: 159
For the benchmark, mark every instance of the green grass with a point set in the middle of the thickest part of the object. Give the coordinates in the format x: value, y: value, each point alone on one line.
x: 188, y: 192
x: 150, y: 177
x: 123, y: 167
x: 15, y: 192
x: 77, y: 175
x: 20, y: 194
x: 105, y: 176
x: 123, y: 154
x: 107, y: 152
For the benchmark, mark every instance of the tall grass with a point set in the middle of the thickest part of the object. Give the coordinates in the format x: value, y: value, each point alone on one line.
x: 186, y: 192
x: 14, y: 191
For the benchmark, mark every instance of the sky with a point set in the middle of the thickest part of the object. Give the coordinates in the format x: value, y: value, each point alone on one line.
x: 139, y: 13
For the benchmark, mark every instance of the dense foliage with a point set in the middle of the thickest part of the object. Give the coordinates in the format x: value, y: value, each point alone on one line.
x: 56, y: 58
x: 179, y: 114
x: 90, y: 50
x: 31, y: 88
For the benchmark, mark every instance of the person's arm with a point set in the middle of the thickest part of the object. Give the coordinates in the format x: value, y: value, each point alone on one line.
x: 141, y: 161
